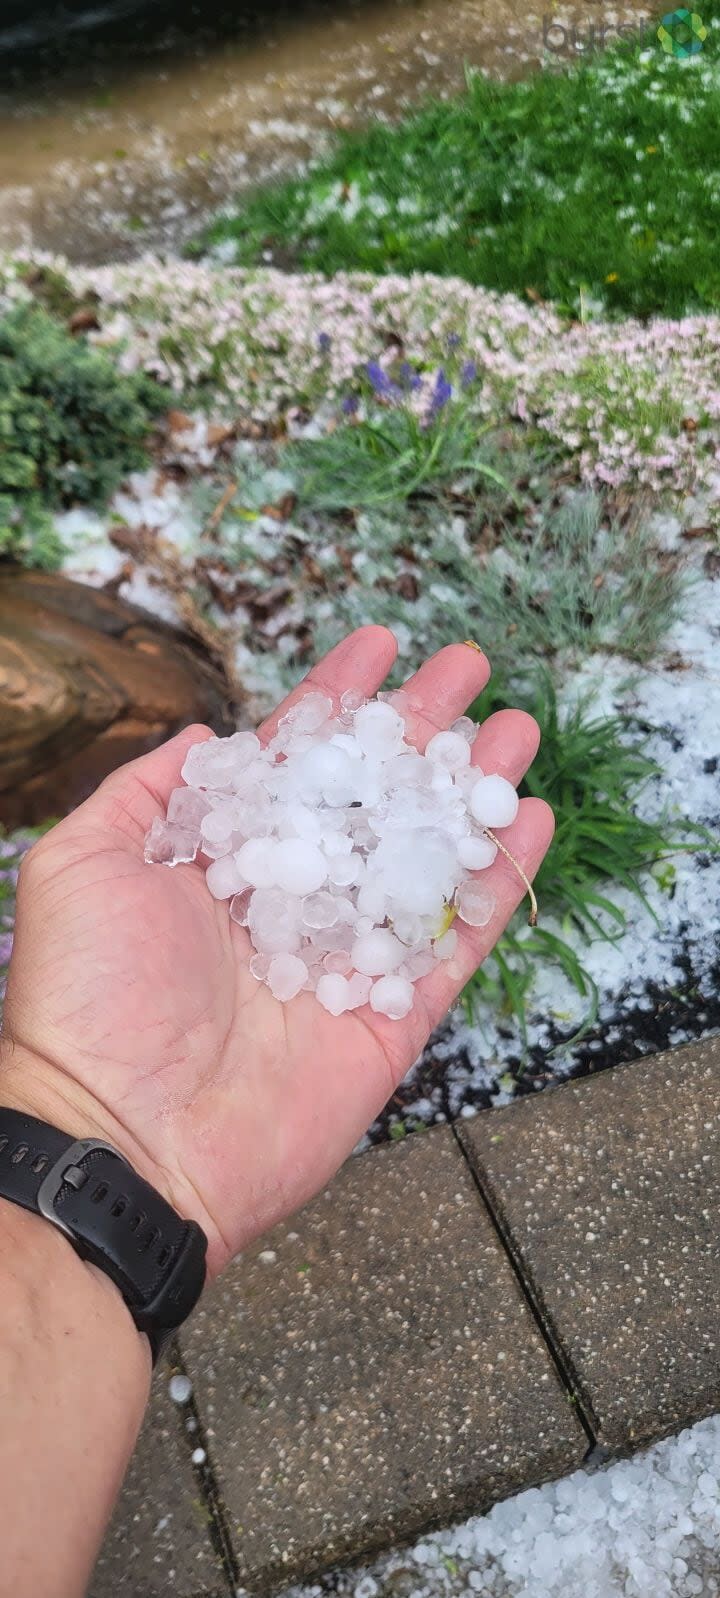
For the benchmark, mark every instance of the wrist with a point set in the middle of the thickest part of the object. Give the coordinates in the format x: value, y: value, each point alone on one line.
x: 37, y: 1087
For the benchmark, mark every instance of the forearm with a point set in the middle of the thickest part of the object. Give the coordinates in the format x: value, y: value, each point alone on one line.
x: 74, y: 1381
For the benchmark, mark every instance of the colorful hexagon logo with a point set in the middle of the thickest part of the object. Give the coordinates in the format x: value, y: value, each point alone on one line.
x: 682, y: 33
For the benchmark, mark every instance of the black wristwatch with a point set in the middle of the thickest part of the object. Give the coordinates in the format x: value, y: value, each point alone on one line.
x: 111, y: 1216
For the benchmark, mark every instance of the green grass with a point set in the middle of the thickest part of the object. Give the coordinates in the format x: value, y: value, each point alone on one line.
x: 591, y: 774
x: 596, y: 184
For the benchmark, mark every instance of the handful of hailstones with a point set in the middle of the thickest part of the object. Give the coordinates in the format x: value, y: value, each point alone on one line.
x: 344, y: 852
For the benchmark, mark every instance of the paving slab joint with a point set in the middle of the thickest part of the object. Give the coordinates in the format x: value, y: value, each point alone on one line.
x: 562, y: 1365
x: 207, y: 1480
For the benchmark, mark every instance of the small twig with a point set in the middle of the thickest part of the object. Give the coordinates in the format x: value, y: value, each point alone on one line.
x: 216, y: 516
x: 532, y: 918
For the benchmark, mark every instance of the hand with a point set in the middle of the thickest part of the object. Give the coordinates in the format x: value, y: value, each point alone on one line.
x: 131, y: 1014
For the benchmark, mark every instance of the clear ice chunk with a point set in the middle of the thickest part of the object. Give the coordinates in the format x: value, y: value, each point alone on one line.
x: 333, y: 992
x: 476, y: 905
x: 168, y: 844
x: 286, y: 976
x: 319, y: 910
x: 186, y: 807
x: 240, y: 907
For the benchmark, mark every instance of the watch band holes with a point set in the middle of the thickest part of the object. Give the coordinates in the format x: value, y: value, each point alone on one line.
x: 3, y: 1143
x: 136, y: 1221
x: 119, y: 1207
x: 18, y: 1155
x: 101, y: 1192
x: 39, y: 1163
x: 163, y: 1256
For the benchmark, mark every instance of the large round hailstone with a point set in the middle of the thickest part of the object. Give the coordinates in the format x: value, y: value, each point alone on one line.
x: 324, y: 766
x: 224, y: 878
x: 392, y: 996
x: 345, y: 871
x: 309, y: 713
x: 419, y: 870
x: 377, y: 952
x: 494, y: 802
x: 299, y: 866
x: 476, y: 853
x: 379, y: 730
x: 449, y: 750
x: 256, y: 862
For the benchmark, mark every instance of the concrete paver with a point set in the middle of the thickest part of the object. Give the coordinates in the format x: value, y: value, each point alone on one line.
x: 607, y: 1191
x: 372, y: 1368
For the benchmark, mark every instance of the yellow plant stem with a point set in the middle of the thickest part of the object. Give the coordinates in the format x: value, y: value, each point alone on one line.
x: 532, y: 918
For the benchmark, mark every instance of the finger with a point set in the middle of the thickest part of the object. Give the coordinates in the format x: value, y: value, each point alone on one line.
x: 362, y: 661
x: 441, y: 690
x: 506, y: 744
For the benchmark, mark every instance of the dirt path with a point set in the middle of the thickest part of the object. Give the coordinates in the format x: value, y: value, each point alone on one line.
x: 127, y: 138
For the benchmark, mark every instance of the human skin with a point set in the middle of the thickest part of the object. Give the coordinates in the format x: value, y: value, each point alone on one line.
x: 131, y: 1016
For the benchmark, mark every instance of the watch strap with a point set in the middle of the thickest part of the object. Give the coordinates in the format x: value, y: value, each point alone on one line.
x: 112, y: 1217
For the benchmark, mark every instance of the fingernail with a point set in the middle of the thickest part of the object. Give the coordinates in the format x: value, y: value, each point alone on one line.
x: 471, y: 644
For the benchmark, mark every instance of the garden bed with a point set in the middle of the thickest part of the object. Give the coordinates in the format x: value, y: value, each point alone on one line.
x: 232, y: 528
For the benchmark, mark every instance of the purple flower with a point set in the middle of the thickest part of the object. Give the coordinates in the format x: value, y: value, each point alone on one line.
x: 6, y: 943
x: 452, y: 341
x: 409, y: 378
x: 468, y: 374
x: 441, y: 393
x: 350, y: 404
x: 382, y: 384
x: 324, y: 343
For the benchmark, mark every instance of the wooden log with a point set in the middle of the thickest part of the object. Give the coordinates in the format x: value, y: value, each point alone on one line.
x: 87, y: 682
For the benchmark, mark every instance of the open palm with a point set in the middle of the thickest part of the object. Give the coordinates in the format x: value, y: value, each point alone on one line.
x: 131, y: 1014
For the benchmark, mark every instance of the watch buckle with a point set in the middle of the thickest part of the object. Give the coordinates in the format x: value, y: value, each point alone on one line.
x: 69, y: 1166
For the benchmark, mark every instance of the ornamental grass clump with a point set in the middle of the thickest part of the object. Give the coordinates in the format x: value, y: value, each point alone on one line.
x: 403, y: 432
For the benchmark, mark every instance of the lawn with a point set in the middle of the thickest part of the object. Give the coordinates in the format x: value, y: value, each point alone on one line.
x: 596, y: 186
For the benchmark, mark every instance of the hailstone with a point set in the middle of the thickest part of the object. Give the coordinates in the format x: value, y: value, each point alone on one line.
x: 344, y: 853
